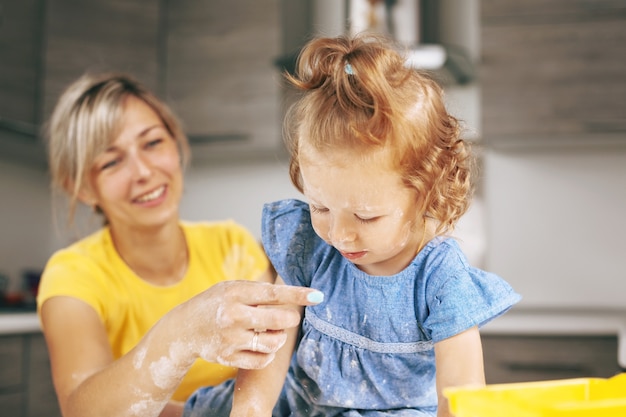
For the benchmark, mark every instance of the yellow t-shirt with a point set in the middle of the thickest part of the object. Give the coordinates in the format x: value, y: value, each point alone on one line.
x: 91, y: 270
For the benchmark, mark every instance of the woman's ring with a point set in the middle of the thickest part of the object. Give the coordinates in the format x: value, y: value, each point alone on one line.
x: 255, y: 341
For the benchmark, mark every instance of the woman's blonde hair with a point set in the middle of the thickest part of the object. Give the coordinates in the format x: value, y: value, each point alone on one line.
x: 357, y: 92
x: 86, y: 120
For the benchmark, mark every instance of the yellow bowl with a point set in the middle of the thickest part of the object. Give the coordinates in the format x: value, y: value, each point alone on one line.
x: 588, y: 397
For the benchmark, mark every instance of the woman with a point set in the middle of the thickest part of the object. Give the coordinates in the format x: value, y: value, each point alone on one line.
x: 145, y: 310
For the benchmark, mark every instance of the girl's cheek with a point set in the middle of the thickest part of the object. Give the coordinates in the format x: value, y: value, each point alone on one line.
x: 320, y: 227
x: 405, y: 234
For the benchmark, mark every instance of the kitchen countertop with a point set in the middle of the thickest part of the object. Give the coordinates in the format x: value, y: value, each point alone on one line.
x: 531, y: 321
x: 19, y: 322
x: 514, y: 322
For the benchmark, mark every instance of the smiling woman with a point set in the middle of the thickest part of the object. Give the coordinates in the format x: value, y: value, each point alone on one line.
x: 138, y: 178
x: 139, y: 314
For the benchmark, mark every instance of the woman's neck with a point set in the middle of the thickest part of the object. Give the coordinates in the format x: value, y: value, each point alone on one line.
x: 157, y: 255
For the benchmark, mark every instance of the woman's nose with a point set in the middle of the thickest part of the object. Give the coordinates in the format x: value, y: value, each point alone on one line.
x: 140, y: 167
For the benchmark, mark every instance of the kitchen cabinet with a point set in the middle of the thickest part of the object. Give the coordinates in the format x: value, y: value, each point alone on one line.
x: 553, y: 70
x: 21, y: 36
x: 26, y: 388
x: 521, y: 358
x: 20, y: 46
x: 213, y: 62
x: 11, y: 375
x: 220, y: 76
x: 46, y: 44
x: 99, y: 35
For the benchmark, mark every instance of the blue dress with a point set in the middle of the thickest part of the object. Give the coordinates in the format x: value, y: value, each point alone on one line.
x: 368, y: 349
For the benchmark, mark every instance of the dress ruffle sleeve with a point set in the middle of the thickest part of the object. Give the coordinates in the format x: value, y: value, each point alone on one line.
x: 289, y: 240
x: 459, y: 296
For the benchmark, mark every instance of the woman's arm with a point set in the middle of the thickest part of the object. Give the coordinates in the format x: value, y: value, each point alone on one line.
x: 459, y: 361
x: 87, y: 379
x: 256, y: 391
x: 214, y: 325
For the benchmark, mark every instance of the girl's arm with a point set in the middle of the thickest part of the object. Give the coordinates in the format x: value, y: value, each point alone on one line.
x: 459, y: 361
x: 256, y: 391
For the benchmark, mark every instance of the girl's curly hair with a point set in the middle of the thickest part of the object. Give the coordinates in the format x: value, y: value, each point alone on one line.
x: 357, y: 92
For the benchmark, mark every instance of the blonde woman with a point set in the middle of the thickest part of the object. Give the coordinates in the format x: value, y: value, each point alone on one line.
x: 144, y: 311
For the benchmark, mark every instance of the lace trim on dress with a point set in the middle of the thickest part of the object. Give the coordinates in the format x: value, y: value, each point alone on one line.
x: 363, y: 342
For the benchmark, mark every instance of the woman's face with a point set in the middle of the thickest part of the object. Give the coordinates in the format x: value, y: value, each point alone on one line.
x: 361, y: 207
x: 137, y: 182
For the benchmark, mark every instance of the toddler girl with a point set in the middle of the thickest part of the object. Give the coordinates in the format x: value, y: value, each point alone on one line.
x: 386, y: 177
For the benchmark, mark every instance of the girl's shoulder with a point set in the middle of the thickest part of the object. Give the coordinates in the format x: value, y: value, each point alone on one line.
x: 287, y: 220
x: 442, y: 253
x: 286, y: 208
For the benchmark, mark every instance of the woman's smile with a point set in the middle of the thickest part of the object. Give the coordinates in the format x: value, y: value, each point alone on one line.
x: 155, y: 196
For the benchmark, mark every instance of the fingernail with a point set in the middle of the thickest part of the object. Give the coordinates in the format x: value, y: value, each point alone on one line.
x: 315, y: 297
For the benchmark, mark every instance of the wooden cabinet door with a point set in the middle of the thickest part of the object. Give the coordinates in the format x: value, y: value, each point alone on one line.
x: 553, y: 68
x: 100, y: 35
x: 12, y: 379
x: 42, y: 399
x: 220, y: 73
x: 21, y: 32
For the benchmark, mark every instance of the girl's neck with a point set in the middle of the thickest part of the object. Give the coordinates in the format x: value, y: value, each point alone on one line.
x: 157, y: 255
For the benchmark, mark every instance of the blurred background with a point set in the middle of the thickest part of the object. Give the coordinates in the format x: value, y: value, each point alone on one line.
x: 539, y: 84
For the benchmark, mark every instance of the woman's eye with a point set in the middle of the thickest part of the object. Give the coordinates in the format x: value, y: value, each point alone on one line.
x: 109, y: 164
x: 153, y: 143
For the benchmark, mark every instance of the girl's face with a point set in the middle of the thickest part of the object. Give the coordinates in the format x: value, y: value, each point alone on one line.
x: 137, y: 182
x: 360, y: 206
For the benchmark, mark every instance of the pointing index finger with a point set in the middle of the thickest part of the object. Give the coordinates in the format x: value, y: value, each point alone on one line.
x: 271, y: 294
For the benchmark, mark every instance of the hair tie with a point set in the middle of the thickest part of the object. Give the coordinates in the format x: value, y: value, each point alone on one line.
x: 348, y: 69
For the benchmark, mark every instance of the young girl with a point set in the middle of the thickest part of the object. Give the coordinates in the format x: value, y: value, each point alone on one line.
x: 386, y: 177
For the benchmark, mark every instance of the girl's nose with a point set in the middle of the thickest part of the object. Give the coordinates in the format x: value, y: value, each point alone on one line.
x: 340, y: 231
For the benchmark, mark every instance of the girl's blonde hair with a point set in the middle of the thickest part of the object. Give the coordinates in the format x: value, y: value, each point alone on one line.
x: 357, y: 92
x: 86, y: 120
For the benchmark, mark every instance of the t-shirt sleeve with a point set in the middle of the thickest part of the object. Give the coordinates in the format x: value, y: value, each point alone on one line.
x: 462, y: 297
x: 289, y: 240
x: 72, y: 275
x: 244, y: 259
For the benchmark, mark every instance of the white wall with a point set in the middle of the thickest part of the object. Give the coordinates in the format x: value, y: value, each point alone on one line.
x: 235, y: 190
x: 556, y: 226
x: 25, y: 226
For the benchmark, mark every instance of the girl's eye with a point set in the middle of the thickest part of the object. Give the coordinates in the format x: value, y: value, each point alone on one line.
x: 366, y: 220
x: 318, y: 209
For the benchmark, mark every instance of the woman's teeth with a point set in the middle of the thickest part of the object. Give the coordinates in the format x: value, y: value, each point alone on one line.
x: 151, y: 196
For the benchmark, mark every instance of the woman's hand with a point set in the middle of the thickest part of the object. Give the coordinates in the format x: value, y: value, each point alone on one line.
x: 242, y: 323
x: 218, y: 325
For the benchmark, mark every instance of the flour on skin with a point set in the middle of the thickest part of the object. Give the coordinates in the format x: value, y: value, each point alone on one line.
x: 147, y: 406
x: 139, y: 358
x: 165, y: 370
